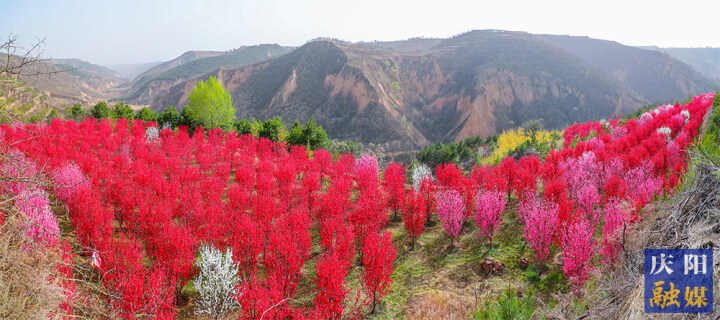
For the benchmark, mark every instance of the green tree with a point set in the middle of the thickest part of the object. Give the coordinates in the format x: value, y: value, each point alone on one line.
x: 122, y: 110
x: 169, y: 117
x: 273, y: 129
x: 186, y: 119
x: 210, y: 104
x: 531, y: 128
x: 146, y: 114
x: 311, y: 135
x: 101, y: 110
x: 243, y: 126
x: 76, y: 112
x: 295, y: 137
x: 52, y: 115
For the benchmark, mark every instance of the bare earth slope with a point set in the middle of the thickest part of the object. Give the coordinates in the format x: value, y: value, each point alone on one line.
x: 405, y: 94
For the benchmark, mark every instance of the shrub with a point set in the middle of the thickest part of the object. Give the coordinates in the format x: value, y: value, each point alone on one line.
x: 215, y: 282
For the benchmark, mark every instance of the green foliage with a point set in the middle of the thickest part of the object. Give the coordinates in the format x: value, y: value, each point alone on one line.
x: 101, y: 110
x: 124, y: 111
x: 274, y: 129
x: 169, y: 117
x: 52, y: 115
x: 712, y: 134
x: 187, y: 120
x: 27, y: 89
x: 34, y: 95
x: 34, y: 118
x: 311, y: 135
x: 76, y: 112
x: 531, y: 128
x: 146, y: 114
x: 25, y: 107
x: 210, y: 104
x: 43, y: 97
x: 507, y: 306
x: 396, y: 86
x: 244, y: 126
x: 552, y: 282
x: 459, y: 153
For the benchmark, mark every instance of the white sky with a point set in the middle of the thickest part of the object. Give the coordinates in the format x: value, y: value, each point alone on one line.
x: 111, y: 32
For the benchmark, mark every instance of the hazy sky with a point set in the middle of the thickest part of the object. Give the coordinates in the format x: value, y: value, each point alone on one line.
x: 109, y: 32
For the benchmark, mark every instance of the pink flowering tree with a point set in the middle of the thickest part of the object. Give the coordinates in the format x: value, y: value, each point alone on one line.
x: 642, y: 184
x: 68, y: 181
x: 450, y: 210
x: 488, y: 217
x: 367, y: 162
x: 578, y: 250
x: 588, y: 197
x: 17, y: 172
x: 41, y: 225
x: 614, y: 218
x: 540, y: 219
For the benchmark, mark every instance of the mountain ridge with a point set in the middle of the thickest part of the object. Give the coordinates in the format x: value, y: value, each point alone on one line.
x: 478, y: 83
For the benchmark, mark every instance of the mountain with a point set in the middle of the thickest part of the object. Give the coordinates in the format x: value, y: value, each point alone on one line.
x: 191, y: 64
x: 478, y: 83
x: 131, y: 70
x: 414, y: 45
x: 71, y: 80
x: 87, y: 69
x: 704, y: 60
x: 656, y: 76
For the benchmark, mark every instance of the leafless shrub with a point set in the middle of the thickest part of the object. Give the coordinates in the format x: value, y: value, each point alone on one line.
x: 29, y: 287
x: 438, y: 305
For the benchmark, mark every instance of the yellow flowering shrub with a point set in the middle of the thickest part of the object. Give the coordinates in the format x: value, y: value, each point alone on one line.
x: 510, y: 140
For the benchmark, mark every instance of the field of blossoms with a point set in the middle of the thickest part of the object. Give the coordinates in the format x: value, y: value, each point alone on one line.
x: 307, y: 235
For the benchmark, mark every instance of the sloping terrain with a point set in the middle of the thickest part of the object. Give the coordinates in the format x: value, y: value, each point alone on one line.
x: 192, y: 64
x: 71, y: 80
x: 655, y: 76
x: 479, y: 83
x: 704, y: 60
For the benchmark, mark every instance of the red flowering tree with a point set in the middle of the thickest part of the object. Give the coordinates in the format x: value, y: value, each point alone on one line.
x: 414, y: 215
x: 394, y: 185
x: 378, y: 256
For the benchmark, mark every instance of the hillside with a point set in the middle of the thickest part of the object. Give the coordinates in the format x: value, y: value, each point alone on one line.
x: 195, y: 63
x: 414, y: 45
x: 704, y: 60
x: 478, y: 83
x: 655, y: 76
x: 342, y: 237
x: 87, y: 69
x: 71, y: 80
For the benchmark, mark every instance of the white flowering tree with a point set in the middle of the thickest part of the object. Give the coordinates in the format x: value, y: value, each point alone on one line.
x: 215, y: 282
x: 419, y: 173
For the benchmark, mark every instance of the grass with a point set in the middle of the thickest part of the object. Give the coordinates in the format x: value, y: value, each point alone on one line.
x: 436, y: 276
